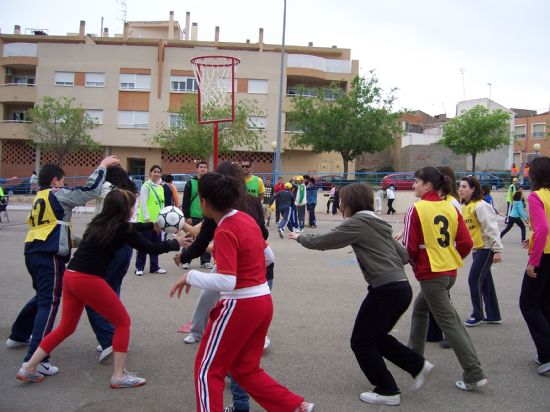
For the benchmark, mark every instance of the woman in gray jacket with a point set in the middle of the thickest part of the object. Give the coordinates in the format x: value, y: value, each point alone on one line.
x: 381, y: 259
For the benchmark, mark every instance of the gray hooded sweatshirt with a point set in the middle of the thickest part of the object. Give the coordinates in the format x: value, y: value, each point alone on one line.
x: 381, y: 258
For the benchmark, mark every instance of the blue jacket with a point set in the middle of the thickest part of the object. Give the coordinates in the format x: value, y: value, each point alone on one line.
x: 311, y: 194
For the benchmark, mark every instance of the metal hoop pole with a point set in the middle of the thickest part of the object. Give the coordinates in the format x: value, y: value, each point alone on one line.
x: 215, y: 145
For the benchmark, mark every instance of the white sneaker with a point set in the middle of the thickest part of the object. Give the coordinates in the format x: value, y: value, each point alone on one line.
x: 471, y: 386
x: 99, y: 349
x: 46, y: 368
x: 207, y: 265
x: 281, y: 233
x: 267, y: 344
x: 12, y: 344
x: 160, y: 271
x: 422, y: 377
x: 374, y: 398
x: 184, y: 266
x: 139, y: 272
x: 543, y: 368
x: 191, y: 339
x: 106, y: 354
x: 305, y: 407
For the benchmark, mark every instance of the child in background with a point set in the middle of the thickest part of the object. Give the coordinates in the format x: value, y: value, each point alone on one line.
x: 234, y: 338
x: 516, y: 216
x: 378, y: 199
x: 486, y: 193
x: 330, y: 200
x: 84, y: 284
x: 390, y: 194
x: 311, y: 202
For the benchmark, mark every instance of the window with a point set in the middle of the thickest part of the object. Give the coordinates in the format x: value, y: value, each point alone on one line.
x: 135, y: 81
x: 95, y: 80
x: 133, y: 120
x: 183, y: 84
x: 257, y: 122
x: 95, y: 115
x: 519, y: 132
x: 23, y: 80
x: 64, y: 78
x: 18, y: 116
x: 539, y: 131
x: 258, y: 86
x: 175, y: 120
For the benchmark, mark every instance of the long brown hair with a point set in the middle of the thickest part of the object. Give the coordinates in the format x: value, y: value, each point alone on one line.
x: 447, y: 171
x: 474, y: 184
x: 539, y: 172
x: 356, y: 197
x: 116, y: 212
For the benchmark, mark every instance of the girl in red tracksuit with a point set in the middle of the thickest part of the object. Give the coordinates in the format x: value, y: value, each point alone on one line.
x: 437, y: 240
x: 234, y: 338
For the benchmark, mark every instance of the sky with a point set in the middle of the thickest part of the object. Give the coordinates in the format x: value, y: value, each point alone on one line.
x: 436, y: 53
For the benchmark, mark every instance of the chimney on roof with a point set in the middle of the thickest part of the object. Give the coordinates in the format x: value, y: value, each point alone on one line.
x: 125, y: 31
x: 247, y: 41
x: 194, y: 31
x: 217, y: 34
x: 17, y: 29
x: 187, y: 20
x: 310, y: 44
x: 261, y: 39
x: 82, y: 30
x: 106, y: 32
x: 171, y: 25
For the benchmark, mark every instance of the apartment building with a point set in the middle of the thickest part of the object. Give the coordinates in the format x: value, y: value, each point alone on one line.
x: 133, y: 84
x: 530, y: 129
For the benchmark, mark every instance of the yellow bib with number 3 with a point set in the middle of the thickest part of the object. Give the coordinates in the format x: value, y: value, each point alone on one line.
x: 439, y: 221
x: 42, y: 219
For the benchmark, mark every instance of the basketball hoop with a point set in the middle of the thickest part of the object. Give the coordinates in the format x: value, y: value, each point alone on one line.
x: 215, y: 77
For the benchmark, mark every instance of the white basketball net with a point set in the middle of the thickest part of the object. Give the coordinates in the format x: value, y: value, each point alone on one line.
x: 215, y: 77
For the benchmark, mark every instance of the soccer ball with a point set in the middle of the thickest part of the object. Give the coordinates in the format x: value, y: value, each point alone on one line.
x: 170, y: 219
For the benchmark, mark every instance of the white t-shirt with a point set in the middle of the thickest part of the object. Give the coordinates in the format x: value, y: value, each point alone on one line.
x: 390, y: 193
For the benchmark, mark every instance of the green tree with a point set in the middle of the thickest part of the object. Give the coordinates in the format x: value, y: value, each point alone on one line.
x: 58, y: 126
x: 353, y: 123
x: 476, y: 131
x: 190, y: 137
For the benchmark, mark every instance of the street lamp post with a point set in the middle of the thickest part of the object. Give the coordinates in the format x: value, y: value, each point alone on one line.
x: 279, y: 143
x: 274, y: 170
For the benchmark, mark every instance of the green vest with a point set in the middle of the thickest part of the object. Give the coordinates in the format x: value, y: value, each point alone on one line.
x: 253, y: 186
x: 1, y: 191
x: 155, y: 202
x: 512, y: 189
x: 195, y: 208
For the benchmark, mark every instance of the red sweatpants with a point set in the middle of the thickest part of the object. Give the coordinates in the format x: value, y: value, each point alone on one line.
x: 80, y: 289
x: 233, y: 342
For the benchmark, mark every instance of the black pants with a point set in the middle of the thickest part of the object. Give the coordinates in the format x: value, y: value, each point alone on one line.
x: 371, y: 341
x: 534, y: 302
x: 390, y: 206
x: 511, y: 222
x: 435, y: 334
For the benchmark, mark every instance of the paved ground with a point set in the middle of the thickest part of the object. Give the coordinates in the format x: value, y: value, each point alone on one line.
x: 316, y: 296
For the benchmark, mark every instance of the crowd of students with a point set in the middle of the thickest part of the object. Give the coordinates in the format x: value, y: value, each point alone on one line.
x: 235, y: 309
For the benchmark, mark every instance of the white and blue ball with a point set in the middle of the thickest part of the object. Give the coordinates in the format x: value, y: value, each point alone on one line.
x: 170, y: 219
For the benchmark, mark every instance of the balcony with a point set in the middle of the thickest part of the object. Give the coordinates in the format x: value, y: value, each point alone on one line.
x: 17, y: 93
x: 19, y: 55
x: 10, y: 129
x: 302, y: 66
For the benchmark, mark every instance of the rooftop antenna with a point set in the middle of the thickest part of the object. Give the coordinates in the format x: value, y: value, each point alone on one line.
x: 122, y: 9
x: 461, y: 70
x: 490, y: 85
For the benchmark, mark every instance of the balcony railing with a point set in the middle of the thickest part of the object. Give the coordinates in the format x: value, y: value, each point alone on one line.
x: 305, y: 61
x: 19, y: 50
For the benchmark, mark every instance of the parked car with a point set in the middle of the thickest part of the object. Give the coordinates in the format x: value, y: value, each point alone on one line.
x: 401, y: 181
x: 326, y: 181
x: 495, y: 181
x: 180, y: 180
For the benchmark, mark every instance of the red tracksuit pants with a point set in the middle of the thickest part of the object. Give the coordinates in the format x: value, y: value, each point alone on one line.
x: 80, y: 289
x: 233, y: 343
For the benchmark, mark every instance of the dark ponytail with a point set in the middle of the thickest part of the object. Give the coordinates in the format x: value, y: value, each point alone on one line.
x: 222, y: 192
x: 539, y: 173
x: 440, y: 182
